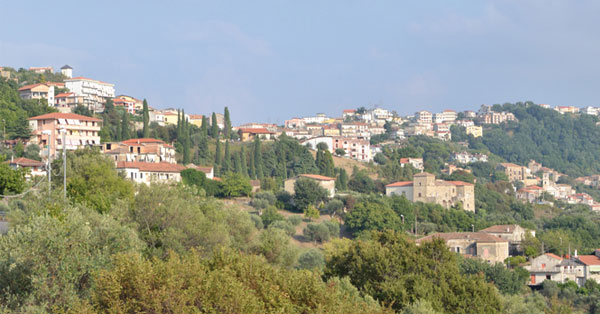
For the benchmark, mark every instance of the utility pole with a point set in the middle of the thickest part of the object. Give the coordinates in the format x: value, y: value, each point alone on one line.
x: 64, y: 144
x: 49, y: 167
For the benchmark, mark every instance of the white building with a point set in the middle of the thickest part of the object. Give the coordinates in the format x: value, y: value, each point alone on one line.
x: 95, y: 93
x: 67, y: 71
x: 318, y: 119
x: 424, y: 117
x: 148, y: 172
x: 313, y: 142
x: 355, y: 148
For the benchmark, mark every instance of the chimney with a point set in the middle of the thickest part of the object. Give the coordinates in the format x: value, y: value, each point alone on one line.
x: 12, y: 158
x: 575, y: 255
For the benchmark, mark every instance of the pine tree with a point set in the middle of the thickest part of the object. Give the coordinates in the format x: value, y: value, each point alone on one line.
x: 243, y: 162
x: 125, y: 126
x: 227, y: 129
x: 258, y: 158
x: 226, y: 165
x: 146, y: 120
x: 214, y: 132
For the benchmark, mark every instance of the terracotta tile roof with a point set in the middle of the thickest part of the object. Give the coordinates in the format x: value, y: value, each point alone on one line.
x: 500, y: 229
x: 60, y: 115
x: 317, y: 177
x: 151, y: 166
x: 61, y: 95
x: 349, y: 110
x: 534, y: 187
x: 57, y: 84
x: 135, y: 141
x: 28, y: 87
x: 25, y: 162
x: 553, y: 256
x: 476, y: 236
x: 255, y: 130
x: 589, y: 259
x: 196, y: 117
x: 400, y: 183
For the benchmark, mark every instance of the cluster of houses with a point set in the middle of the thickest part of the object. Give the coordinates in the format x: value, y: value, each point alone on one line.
x: 496, y: 243
x: 539, y: 180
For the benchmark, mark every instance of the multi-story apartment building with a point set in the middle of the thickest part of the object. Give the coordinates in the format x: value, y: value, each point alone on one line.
x: 425, y: 188
x: 80, y: 131
x: 475, y: 130
x: 566, y: 109
x: 318, y: 119
x: 130, y: 104
x: 38, y: 91
x: 355, y: 148
x: 140, y: 149
x: 95, y: 93
x: 497, y: 117
x: 514, y: 172
x: 355, y: 129
x: 41, y: 70
x: 65, y: 102
x: 445, y: 116
x: 424, y: 117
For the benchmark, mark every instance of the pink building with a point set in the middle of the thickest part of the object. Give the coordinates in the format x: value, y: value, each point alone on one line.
x: 355, y: 148
x: 80, y: 131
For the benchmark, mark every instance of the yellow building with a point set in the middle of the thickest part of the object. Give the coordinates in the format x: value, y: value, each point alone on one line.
x: 170, y: 118
x: 196, y: 119
x: 475, y: 130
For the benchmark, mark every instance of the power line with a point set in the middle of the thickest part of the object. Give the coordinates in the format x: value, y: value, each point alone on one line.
x: 23, y: 193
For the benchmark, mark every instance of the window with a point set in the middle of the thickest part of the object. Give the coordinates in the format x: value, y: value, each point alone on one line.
x: 419, y: 194
x: 548, y: 277
x: 543, y: 266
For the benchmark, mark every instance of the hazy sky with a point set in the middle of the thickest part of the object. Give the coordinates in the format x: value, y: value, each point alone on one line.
x: 271, y: 60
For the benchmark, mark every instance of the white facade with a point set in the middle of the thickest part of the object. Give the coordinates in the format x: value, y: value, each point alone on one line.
x: 94, y: 93
x: 313, y: 142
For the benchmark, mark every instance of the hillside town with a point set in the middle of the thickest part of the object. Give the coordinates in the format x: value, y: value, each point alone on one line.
x: 356, y: 135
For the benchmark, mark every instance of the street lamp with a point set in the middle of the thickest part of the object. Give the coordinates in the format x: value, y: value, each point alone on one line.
x: 472, y: 228
x: 402, y: 216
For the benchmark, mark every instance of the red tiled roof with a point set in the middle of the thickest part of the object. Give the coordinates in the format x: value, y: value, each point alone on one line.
x: 317, y: 177
x: 134, y: 141
x: 25, y: 162
x: 151, y: 166
x: 196, y: 117
x: 533, y: 187
x: 349, y: 110
x: 55, y: 84
x: 61, y: 95
x: 255, y: 130
x: 589, y: 259
x: 206, y: 169
x: 27, y: 87
x: 553, y: 256
x: 400, y: 183
x: 60, y: 115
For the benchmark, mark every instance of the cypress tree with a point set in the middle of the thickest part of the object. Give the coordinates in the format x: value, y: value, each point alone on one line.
x: 125, y: 126
x: 243, y: 162
x: 214, y: 132
x: 258, y: 158
x: 252, y: 170
x: 218, y: 153
x: 237, y: 164
x: 204, y: 127
x: 203, y: 148
x: 146, y: 118
x: 226, y: 165
x: 227, y: 129
x: 329, y: 165
x: 343, y: 179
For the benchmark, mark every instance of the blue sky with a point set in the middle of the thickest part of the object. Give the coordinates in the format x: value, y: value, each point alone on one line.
x: 271, y: 60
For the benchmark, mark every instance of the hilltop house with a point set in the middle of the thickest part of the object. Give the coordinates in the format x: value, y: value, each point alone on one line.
x: 140, y: 149
x: 425, y: 188
x: 325, y: 182
x: 514, y: 234
x: 473, y: 244
x: 148, y: 172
